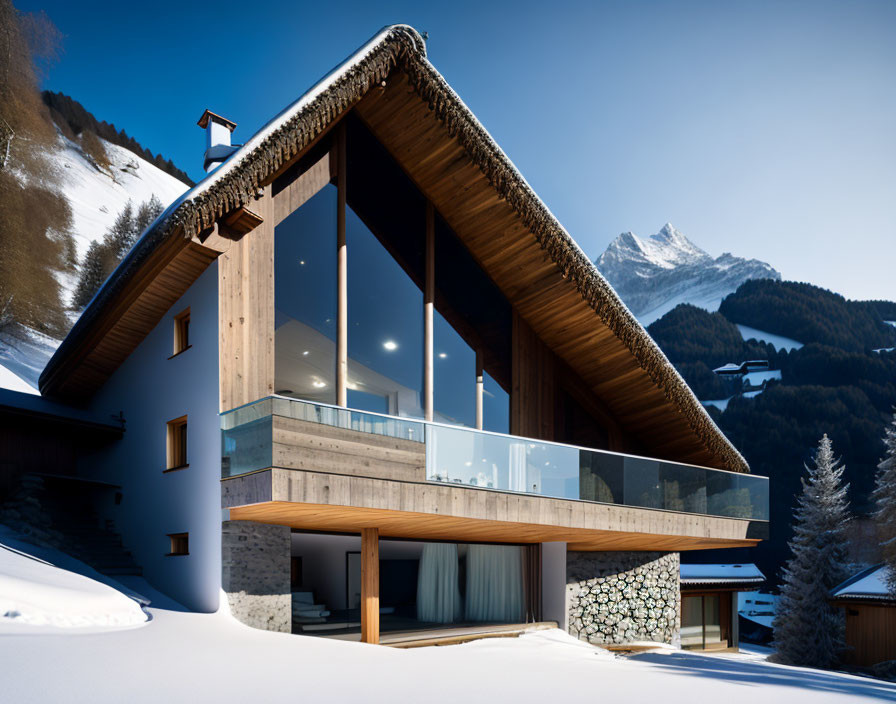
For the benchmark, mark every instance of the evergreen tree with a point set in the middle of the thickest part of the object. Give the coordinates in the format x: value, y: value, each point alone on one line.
x: 146, y: 213
x: 102, y: 257
x: 885, y: 499
x: 92, y: 275
x: 808, y: 630
x: 119, y: 238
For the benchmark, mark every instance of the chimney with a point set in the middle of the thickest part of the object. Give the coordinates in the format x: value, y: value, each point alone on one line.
x: 217, y: 143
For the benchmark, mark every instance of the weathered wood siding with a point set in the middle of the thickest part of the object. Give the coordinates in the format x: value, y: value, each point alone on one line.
x: 300, y: 444
x: 870, y: 633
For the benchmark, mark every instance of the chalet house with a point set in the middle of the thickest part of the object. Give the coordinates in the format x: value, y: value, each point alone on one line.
x: 739, y: 370
x: 370, y: 384
x: 709, y: 604
x: 870, y: 611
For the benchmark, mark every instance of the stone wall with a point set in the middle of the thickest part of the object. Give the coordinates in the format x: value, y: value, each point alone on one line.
x: 256, y: 573
x: 623, y: 597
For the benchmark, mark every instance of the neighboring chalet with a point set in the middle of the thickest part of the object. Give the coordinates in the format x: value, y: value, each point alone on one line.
x: 738, y: 370
x: 870, y: 611
x: 419, y: 405
x: 709, y: 604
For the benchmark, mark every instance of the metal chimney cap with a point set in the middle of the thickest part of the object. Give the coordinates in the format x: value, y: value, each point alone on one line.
x: 214, y: 117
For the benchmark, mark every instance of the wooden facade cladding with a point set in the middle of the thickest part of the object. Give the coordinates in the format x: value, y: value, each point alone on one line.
x: 533, y: 394
x: 313, y: 500
x: 299, y: 444
x: 246, y: 312
x: 870, y: 631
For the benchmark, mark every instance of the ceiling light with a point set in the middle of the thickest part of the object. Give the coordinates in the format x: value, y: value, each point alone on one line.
x: 318, y: 384
x: 305, y: 353
x: 390, y: 345
x: 442, y: 355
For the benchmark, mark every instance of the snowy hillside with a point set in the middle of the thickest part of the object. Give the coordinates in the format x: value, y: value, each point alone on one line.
x: 654, y: 275
x: 96, y: 197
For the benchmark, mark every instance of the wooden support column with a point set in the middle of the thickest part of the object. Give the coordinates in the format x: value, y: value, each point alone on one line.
x: 480, y: 388
x: 341, y: 274
x: 370, y: 585
x: 429, y: 295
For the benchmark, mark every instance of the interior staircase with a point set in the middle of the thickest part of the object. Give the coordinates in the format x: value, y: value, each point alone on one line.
x: 58, y: 512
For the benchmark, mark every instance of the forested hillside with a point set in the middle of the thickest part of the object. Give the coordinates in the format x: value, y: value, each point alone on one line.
x: 834, y: 384
x: 809, y: 314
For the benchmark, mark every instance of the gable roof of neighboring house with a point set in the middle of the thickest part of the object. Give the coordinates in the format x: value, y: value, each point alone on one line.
x: 720, y: 575
x: 868, y: 585
x: 538, y: 266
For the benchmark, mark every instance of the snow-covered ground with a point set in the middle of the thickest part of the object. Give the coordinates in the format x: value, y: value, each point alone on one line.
x: 36, y: 595
x: 186, y: 657
x: 759, y: 378
x: 23, y: 357
x: 720, y: 403
x: 779, y: 341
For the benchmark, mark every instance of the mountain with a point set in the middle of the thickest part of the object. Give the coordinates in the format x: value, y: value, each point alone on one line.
x: 656, y: 274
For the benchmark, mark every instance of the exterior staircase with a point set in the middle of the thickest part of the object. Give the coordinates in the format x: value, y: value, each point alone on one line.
x: 58, y: 512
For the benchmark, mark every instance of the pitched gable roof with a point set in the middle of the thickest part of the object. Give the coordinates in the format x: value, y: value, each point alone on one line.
x: 639, y: 362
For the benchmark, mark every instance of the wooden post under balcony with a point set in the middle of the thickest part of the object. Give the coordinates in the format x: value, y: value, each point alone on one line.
x: 370, y: 585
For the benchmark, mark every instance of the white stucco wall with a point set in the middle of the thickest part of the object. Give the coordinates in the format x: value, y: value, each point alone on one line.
x: 553, y: 584
x: 150, y: 389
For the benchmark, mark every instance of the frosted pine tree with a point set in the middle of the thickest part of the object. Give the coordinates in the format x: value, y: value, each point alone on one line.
x: 808, y: 630
x: 885, y: 498
x: 91, y: 277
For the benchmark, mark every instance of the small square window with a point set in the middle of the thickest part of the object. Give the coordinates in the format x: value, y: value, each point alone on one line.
x: 182, y: 332
x: 177, y: 443
x: 180, y: 543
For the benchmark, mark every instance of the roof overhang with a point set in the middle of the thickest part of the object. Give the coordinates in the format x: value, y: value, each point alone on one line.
x: 538, y: 266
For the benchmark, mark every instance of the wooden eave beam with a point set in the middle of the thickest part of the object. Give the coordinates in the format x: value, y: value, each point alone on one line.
x: 239, y: 222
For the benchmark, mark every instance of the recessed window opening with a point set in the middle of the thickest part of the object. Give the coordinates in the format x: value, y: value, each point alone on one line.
x: 177, y: 444
x: 179, y: 544
x: 182, y: 331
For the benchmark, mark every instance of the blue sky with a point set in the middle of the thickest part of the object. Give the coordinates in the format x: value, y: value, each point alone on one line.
x: 767, y: 129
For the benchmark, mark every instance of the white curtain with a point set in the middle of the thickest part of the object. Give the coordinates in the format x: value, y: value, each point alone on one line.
x: 516, y: 479
x: 494, y: 583
x: 438, y: 594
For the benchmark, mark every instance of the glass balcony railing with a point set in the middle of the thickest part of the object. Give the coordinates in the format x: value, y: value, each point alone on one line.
x: 484, y: 460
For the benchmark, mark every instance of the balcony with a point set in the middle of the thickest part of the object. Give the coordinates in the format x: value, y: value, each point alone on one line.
x: 273, y: 432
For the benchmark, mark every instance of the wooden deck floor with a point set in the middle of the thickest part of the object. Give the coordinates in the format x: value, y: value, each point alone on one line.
x: 451, y: 636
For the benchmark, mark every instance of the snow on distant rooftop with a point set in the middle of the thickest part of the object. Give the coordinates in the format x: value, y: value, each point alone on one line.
x: 869, y: 584
x: 707, y: 574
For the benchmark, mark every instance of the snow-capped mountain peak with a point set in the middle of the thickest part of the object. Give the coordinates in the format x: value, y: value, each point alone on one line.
x: 655, y: 274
